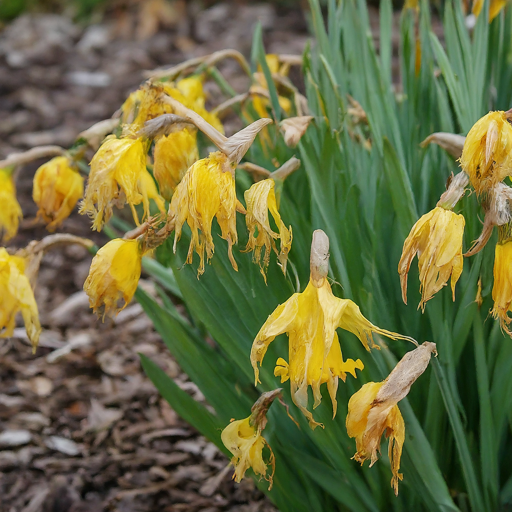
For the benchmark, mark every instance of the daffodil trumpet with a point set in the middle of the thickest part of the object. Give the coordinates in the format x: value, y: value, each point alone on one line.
x: 244, y: 440
x: 310, y: 319
x: 373, y: 410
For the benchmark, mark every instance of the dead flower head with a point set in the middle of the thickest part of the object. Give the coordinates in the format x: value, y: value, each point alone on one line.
x: 173, y: 155
x: 437, y: 239
x: 118, y: 176
x: 310, y: 319
x: 244, y: 440
x: 10, y: 211
x: 487, y: 153
x: 373, y: 410
x: 260, y: 199
x: 16, y: 295
x: 57, y: 188
x: 113, y: 276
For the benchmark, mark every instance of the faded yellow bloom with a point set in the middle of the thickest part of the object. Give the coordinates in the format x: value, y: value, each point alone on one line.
x: 373, y: 410
x: 10, y: 210
x: 502, y: 287
x: 113, y: 276
x: 118, y: 176
x: 206, y: 191
x: 246, y: 443
x: 146, y: 103
x: 57, y: 188
x: 437, y: 239
x: 173, y: 155
x: 16, y: 295
x: 310, y: 319
x: 487, y: 153
x: 260, y: 199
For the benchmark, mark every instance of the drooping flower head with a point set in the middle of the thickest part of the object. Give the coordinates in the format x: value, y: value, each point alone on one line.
x: 118, y: 176
x: 373, y: 410
x: 260, y: 199
x: 57, y: 188
x: 502, y: 286
x: 437, y: 240
x: 173, y: 155
x: 487, y: 153
x: 10, y: 210
x: 244, y: 440
x: 310, y: 319
x: 16, y: 295
x: 207, y: 191
x: 113, y: 276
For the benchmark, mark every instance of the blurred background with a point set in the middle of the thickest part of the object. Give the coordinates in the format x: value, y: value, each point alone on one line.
x: 81, y: 427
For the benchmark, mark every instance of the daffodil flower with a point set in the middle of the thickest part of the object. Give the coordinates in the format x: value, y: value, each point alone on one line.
x: 502, y: 286
x: 10, y: 211
x: 437, y: 240
x: 373, y: 410
x: 118, y: 176
x: 487, y: 153
x: 16, y: 295
x: 310, y: 319
x: 260, y: 200
x: 113, y: 276
x: 57, y: 188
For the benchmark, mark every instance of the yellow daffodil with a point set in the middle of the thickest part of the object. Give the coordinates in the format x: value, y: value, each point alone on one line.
x: 437, y: 239
x: 244, y: 440
x: 118, y: 176
x: 146, y: 103
x: 373, y: 410
x: 246, y: 444
x: 206, y: 191
x: 487, y: 153
x: 57, y: 188
x: 10, y: 210
x: 16, y: 295
x: 173, y: 155
x: 310, y: 319
x: 502, y: 287
x: 113, y: 276
x: 260, y: 199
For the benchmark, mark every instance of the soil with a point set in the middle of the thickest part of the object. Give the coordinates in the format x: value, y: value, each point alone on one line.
x: 81, y: 427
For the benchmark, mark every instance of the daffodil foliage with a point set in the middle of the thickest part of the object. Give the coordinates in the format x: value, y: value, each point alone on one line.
x: 366, y: 181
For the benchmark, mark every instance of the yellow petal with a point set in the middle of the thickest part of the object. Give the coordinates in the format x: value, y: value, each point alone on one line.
x: 206, y: 191
x: 10, y: 211
x: 57, y: 189
x: 113, y: 276
x: 16, y: 295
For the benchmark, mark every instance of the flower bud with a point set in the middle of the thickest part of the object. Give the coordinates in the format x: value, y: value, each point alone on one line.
x: 10, y: 210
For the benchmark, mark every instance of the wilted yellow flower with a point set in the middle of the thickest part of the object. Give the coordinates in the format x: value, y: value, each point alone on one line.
x: 260, y: 199
x: 118, y: 176
x: 437, y: 239
x: 16, y: 295
x: 10, y: 210
x: 502, y: 287
x: 57, y: 188
x: 373, y: 410
x: 246, y: 444
x: 310, y: 319
x: 113, y: 276
x: 487, y: 153
x: 206, y: 191
x: 173, y: 155
x: 146, y: 103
